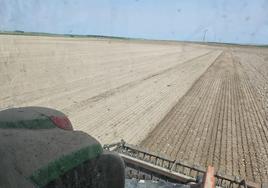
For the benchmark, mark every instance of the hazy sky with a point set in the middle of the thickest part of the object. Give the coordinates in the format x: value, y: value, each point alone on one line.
x: 237, y: 21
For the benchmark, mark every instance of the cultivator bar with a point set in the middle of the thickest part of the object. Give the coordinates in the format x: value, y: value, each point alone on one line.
x: 141, y: 164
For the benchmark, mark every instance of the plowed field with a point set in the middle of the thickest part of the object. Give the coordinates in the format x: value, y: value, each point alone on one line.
x: 221, y: 121
x: 204, y: 104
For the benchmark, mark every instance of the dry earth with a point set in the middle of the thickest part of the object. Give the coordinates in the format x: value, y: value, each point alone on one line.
x: 200, y: 103
x: 110, y: 89
x: 221, y: 120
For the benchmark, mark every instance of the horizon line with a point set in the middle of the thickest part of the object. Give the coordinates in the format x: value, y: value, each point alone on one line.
x: 49, y: 34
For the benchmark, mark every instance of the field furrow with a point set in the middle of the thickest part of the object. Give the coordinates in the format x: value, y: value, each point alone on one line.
x: 219, y: 121
x: 202, y: 104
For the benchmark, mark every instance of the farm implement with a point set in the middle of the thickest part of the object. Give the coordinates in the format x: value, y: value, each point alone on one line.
x: 39, y: 148
x: 142, y: 165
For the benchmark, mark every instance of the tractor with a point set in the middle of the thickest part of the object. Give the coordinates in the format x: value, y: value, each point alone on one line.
x: 40, y: 148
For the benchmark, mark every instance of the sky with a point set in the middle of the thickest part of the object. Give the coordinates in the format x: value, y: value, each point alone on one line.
x: 229, y: 21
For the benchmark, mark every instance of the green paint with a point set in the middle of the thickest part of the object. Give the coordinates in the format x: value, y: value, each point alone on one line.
x: 65, y: 163
x: 41, y: 123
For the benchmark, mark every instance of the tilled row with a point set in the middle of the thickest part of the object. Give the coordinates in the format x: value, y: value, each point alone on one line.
x: 142, y: 105
x: 219, y: 121
x: 111, y: 89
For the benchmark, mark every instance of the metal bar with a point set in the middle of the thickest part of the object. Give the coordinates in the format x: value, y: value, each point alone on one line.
x: 134, y: 148
x: 131, y: 151
x: 156, y: 169
x: 163, y: 158
x: 222, y: 177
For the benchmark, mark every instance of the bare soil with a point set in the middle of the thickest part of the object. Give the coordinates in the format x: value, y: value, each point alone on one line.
x: 204, y: 104
x: 220, y: 121
x: 111, y: 89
